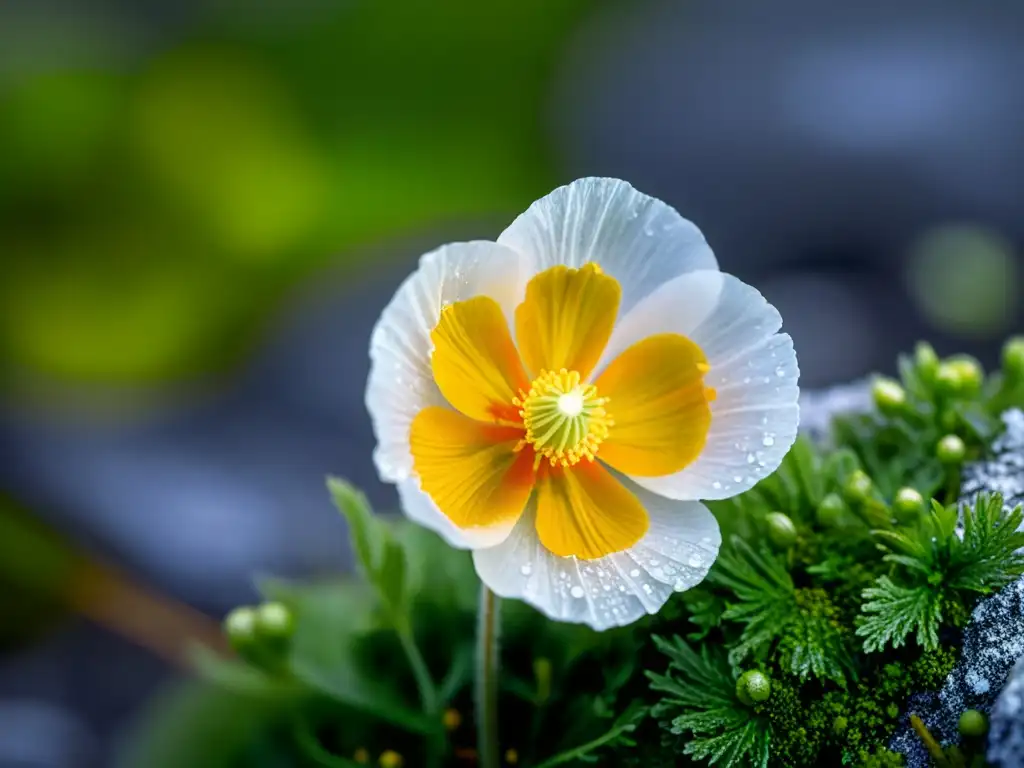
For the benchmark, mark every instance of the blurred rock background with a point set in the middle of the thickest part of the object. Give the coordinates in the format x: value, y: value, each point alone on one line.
x: 205, y: 204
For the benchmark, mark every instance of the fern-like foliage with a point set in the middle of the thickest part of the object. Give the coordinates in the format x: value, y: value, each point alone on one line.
x: 765, y: 598
x: 987, y: 557
x: 936, y: 566
x: 892, y: 612
x: 699, y: 704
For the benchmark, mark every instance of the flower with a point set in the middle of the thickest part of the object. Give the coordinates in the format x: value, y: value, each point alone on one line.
x: 559, y: 400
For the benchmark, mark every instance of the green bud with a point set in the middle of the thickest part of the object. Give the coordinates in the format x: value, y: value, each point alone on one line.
x: 950, y: 450
x: 830, y: 511
x: 973, y: 723
x: 971, y: 375
x: 753, y: 686
x: 240, y: 627
x: 1013, y: 360
x: 889, y: 395
x: 926, y: 360
x: 858, y: 487
x: 948, y: 380
x: 907, y: 504
x: 781, y: 530
x: 275, y: 620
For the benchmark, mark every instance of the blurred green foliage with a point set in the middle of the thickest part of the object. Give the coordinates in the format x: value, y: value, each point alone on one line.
x: 154, y: 212
x: 36, y: 566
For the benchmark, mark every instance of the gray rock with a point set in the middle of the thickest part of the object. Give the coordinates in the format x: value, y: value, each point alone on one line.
x: 1006, y: 733
x: 1004, y: 472
x: 819, y: 406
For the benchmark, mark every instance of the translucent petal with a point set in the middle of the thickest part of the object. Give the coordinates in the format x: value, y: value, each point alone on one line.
x: 753, y: 370
x: 566, y: 318
x: 421, y: 509
x: 657, y: 399
x: 475, y: 364
x: 674, y: 555
x: 584, y: 511
x: 401, y: 383
x: 638, y: 240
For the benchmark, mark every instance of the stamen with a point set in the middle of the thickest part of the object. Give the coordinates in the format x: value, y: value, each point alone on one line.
x: 565, y: 419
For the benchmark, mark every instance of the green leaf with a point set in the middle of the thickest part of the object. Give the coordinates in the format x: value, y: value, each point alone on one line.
x: 892, y: 612
x: 380, y: 557
x: 333, y: 623
x: 201, y: 726
x: 808, y: 468
x: 617, y: 735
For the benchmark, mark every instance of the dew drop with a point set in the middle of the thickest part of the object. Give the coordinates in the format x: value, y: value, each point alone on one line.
x: 576, y: 592
x: 716, y: 485
x: 737, y: 478
x: 751, y: 458
x: 768, y: 441
x: 526, y: 569
x: 655, y: 563
x: 607, y: 587
x: 635, y: 572
x: 647, y: 589
x: 780, y: 371
x: 695, y: 561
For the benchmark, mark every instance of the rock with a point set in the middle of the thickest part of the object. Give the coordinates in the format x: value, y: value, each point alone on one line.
x: 1004, y: 472
x: 819, y: 406
x: 1006, y: 729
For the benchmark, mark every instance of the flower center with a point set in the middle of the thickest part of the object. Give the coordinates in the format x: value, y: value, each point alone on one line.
x: 565, y: 420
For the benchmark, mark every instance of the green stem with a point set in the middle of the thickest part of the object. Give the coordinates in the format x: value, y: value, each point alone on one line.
x: 428, y: 692
x: 425, y: 683
x: 487, y: 662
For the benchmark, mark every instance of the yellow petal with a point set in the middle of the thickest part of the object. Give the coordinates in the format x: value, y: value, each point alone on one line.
x: 475, y: 363
x: 470, y: 469
x: 657, y: 399
x: 584, y: 511
x: 566, y: 318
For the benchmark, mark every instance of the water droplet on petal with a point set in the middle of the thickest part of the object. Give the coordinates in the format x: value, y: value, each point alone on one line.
x: 576, y: 592
x: 526, y: 569
x: 751, y: 458
x: 768, y: 441
x: 635, y: 572
x: 696, y: 561
x: 716, y: 485
x: 647, y: 589
x: 780, y: 371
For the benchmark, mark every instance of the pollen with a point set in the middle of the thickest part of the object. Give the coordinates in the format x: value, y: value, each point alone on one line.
x: 565, y: 420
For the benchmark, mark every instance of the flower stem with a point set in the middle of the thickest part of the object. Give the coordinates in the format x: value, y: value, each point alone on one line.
x: 487, y: 663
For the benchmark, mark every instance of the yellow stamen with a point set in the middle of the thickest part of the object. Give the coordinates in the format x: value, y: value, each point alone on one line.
x: 565, y: 419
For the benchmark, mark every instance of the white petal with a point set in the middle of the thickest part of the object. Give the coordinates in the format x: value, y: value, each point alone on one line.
x: 637, y: 239
x: 420, y: 508
x: 401, y: 383
x: 674, y: 555
x: 753, y: 368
